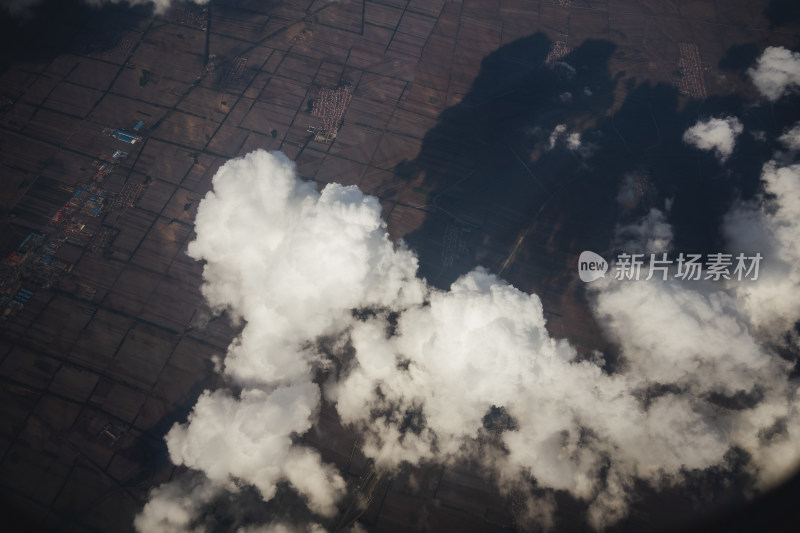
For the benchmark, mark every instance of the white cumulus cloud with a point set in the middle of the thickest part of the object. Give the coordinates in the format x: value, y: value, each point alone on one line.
x: 791, y: 138
x: 290, y: 263
x: 172, y: 507
x: 23, y: 7
x: 651, y: 234
x: 557, y: 133
x: 770, y: 226
x: 776, y: 72
x: 717, y: 134
x: 432, y: 373
x: 249, y: 438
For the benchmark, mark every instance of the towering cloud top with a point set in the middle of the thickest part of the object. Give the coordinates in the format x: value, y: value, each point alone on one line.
x: 293, y: 262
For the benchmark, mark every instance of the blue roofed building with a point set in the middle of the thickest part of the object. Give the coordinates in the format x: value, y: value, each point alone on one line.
x: 124, y: 136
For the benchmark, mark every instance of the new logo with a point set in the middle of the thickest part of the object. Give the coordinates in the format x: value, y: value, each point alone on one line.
x: 591, y: 266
